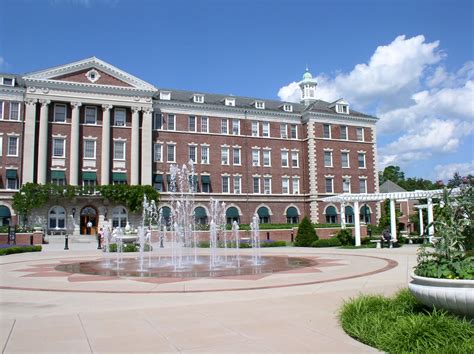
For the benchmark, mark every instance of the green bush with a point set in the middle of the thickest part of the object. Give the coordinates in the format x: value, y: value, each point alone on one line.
x: 129, y: 247
x: 18, y: 229
x: 271, y: 243
x: 345, y: 237
x: 220, y: 244
x: 402, y: 325
x: 19, y: 249
x: 306, y: 234
x: 329, y: 242
x: 363, y: 245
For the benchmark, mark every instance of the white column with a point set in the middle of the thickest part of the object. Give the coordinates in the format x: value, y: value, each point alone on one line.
x: 29, y: 141
x: 43, y: 143
x: 430, y: 219
x: 357, y: 223
x: 147, y: 146
x: 420, y: 214
x: 74, y: 158
x: 135, y: 150
x: 393, y: 220
x: 343, y: 216
x: 105, y: 151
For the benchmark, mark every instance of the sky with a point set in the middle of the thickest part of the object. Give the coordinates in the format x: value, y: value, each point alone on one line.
x: 410, y: 63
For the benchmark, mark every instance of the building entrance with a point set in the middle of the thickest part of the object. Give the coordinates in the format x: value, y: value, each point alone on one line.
x: 89, y: 220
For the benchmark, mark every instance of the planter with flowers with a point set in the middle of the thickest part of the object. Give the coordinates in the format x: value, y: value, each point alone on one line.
x: 444, y: 275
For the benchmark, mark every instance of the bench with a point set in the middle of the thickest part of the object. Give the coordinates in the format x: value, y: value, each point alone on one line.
x: 379, y: 243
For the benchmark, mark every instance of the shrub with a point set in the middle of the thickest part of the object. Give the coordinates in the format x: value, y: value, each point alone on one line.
x: 329, y: 242
x: 271, y: 243
x: 306, y: 234
x: 128, y: 247
x: 402, y: 325
x: 19, y: 249
x: 345, y: 237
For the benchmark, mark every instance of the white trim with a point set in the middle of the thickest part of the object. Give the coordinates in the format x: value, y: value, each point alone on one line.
x: 124, y: 142
x: 95, y: 148
x: 56, y: 105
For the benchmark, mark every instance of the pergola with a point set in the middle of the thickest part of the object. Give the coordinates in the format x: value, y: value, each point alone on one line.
x: 345, y: 198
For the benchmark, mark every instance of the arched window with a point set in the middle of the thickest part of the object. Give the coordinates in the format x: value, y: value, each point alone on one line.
x: 365, y: 214
x: 165, y: 216
x: 200, y: 216
x: 232, y: 214
x: 349, y: 214
x: 119, y: 217
x: 331, y: 215
x: 292, y: 215
x: 57, y: 218
x: 264, y: 215
x: 5, y: 215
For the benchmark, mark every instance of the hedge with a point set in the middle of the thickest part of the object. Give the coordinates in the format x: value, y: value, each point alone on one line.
x: 19, y: 249
x: 328, y: 242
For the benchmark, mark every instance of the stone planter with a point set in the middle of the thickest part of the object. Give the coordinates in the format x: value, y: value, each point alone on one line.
x: 456, y: 296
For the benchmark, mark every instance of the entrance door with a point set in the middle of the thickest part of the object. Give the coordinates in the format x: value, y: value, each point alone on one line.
x: 89, y: 220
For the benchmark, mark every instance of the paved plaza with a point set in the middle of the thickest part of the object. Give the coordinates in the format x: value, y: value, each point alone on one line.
x: 45, y: 309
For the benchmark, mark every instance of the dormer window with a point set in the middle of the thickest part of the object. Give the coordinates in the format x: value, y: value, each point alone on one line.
x: 288, y: 108
x: 93, y: 75
x: 259, y: 104
x: 165, y: 95
x: 230, y: 102
x: 198, y: 98
x: 8, y: 81
x: 342, y: 108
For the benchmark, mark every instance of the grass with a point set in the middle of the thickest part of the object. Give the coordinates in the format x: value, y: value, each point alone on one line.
x: 401, y: 325
x: 370, y: 245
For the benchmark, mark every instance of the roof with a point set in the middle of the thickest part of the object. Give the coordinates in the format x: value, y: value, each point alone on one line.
x: 389, y: 187
x: 366, y: 197
x: 324, y: 107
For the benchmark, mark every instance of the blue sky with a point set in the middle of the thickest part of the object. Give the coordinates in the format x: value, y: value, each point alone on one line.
x: 408, y: 62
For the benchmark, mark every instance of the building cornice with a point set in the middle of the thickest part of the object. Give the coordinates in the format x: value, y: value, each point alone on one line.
x: 335, y: 118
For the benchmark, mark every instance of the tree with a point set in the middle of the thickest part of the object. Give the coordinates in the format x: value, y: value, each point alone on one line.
x: 306, y: 233
x: 392, y: 173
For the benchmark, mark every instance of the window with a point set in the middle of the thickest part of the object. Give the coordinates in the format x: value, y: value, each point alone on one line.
x: 284, y: 159
x: 192, y: 153
x: 296, y: 185
x: 224, y: 126
x: 285, y: 185
x: 12, y: 183
x: 224, y: 156
x: 264, y: 215
x: 361, y: 159
x: 192, y: 123
x: 267, y: 158
x: 158, y: 183
x: 235, y: 127
x: 237, y: 184
x: 360, y: 134
x: 331, y: 215
x: 362, y: 185
x: 288, y: 108
x: 294, y: 159
x: 292, y: 216
x: 327, y: 158
x: 198, y: 98
x: 255, y: 157
x: 266, y: 129
x: 225, y: 184
x: 256, y: 185
x: 89, y: 149
x: 57, y: 218
x: 171, y: 122
x: 157, y: 121
x: 119, y: 117
x: 345, y: 159
x: 236, y: 156
x: 204, y: 125
x: 327, y: 131
x: 14, y: 111
x: 12, y: 146
x: 254, y: 128
x: 90, y: 115
x: 267, y: 185
x: 283, y: 131
x: 329, y: 184
x: 342, y: 108
x: 259, y: 104
x: 205, y: 154
x: 346, y: 185
x: 158, y: 152
x: 59, y: 112
x: 171, y: 149
x: 165, y: 95
x: 58, y: 178
x: 7, y: 81
x: 230, y: 102
x: 206, y: 184
x: 1, y: 109
x: 294, y: 131
x: 58, y: 147
x: 343, y: 132
x: 119, y: 217
x: 119, y: 150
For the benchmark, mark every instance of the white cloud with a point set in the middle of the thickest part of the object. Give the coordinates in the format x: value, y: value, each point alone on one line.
x: 290, y: 92
x: 446, y: 172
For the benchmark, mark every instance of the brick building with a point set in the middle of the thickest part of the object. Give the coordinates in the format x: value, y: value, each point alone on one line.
x: 89, y: 123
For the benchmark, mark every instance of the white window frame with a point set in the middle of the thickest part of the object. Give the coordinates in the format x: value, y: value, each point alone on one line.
x: 324, y: 133
x: 285, y: 184
x: 295, y: 157
x: 266, y: 129
x: 194, y: 120
x: 230, y: 102
x: 346, y: 130
x: 326, y: 179
x: 237, y: 186
x: 2, y: 109
x: 238, y: 155
x: 86, y: 108
x: 224, y: 126
x: 165, y: 95
x: 53, y: 152
x: 267, y: 185
x: 9, y: 140
x: 227, y: 184
x: 288, y: 108
x: 235, y: 126
x: 283, y: 131
x: 360, y: 137
x: 295, y: 130
x: 157, y: 121
x: 296, y: 185
x: 116, y: 143
x: 364, y: 180
x: 346, y: 181
x: 171, y: 117
x: 256, y: 178
x: 285, y: 157
x: 192, y: 150
x: 56, y: 106
x: 8, y: 78
x: 358, y: 160
x: 256, y: 153
x: 260, y: 104
x: 348, y: 159
x: 205, y: 124
x: 205, y: 158
x: 255, y: 128
x: 225, y: 155
x: 157, y: 148
x: 267, y: 160
x: 326, y: 154
x: 17, y: 118
x: 173, y: 148
x: 117, y: 110
x: 198, y: 98
x: 86, y: 141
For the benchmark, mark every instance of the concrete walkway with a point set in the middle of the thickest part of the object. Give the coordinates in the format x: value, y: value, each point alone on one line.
x: 291, y: 319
